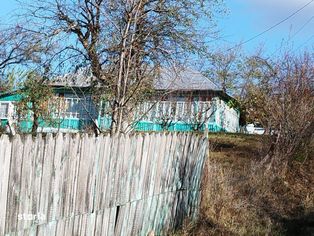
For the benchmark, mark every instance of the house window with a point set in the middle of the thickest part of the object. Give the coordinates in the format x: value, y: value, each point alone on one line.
x: 77, y: 108
x: 73, y: 108
x: 4, y: 109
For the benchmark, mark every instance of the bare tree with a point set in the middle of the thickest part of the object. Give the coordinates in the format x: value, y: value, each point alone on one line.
x: 14, y: 47
x: 291, y: 107
x: 123, y: 42
x: 283, y: 102
x: 256, y: 79
x: 21, y: 50
x: 224, y: 69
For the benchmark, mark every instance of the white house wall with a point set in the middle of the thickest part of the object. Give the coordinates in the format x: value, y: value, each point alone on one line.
x: 227, y: 117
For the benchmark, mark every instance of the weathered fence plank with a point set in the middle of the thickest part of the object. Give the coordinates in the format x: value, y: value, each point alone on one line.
x: 5, y: 153
x: 73, y: 184
x: 14, y: 184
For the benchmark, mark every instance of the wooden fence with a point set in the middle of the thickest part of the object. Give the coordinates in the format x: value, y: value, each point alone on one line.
x: 76, y: 184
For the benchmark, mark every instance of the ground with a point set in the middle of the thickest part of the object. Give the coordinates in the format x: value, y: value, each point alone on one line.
x: 240, y: 199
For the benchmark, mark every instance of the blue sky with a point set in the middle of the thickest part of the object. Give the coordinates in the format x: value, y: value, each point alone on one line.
x: 247, y: 18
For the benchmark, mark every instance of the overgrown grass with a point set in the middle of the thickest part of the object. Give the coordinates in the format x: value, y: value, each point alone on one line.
x: 240, y: 198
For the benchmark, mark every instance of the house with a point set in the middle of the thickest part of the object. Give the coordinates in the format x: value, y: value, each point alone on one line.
x: 192, y: 102
x: 189, y: 101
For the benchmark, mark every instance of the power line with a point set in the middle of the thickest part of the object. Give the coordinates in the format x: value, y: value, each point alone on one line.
x: 295, y: 34
x: 302, y: 27
x: 274, y: 26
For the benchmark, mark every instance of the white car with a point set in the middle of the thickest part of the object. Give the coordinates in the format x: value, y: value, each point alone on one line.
x: 252, y: 129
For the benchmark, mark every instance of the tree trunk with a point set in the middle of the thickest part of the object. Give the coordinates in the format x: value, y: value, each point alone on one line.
x: 35, y: 123
x: 114, y: 128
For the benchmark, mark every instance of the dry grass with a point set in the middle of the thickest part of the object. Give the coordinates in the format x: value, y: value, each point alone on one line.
x: 240, y: 198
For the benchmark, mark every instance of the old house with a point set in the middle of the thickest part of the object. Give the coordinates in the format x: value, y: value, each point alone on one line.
x: 185, y: 101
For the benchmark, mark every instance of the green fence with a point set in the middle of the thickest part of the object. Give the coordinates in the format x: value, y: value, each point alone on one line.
x: 105, y: 122
x: 181, y: 127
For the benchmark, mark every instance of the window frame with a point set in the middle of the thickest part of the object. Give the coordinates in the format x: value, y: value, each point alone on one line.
x: 7, y: 115
x: 81, y: 113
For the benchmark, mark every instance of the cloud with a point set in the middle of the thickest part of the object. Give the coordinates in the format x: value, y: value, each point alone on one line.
x: 268, y: 12
x: 249, y: 18
x: 280, y: 8
x: 279, y: 3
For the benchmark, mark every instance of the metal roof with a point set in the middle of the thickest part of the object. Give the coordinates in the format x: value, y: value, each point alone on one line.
x: 183, y: 79
x: 168, y: 79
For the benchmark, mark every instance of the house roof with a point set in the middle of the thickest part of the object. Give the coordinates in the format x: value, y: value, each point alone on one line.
x: 83, y: 78
x: 183, y: 79
x: 169, y: 79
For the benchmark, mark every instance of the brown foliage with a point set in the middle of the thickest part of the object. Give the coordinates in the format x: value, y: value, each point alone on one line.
x: 36, y: 100
x: 291, y: 110
x: 282, y: 100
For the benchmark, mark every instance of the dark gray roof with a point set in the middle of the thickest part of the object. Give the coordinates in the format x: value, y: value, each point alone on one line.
x: 183, y: 79
x: 168, y: 79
